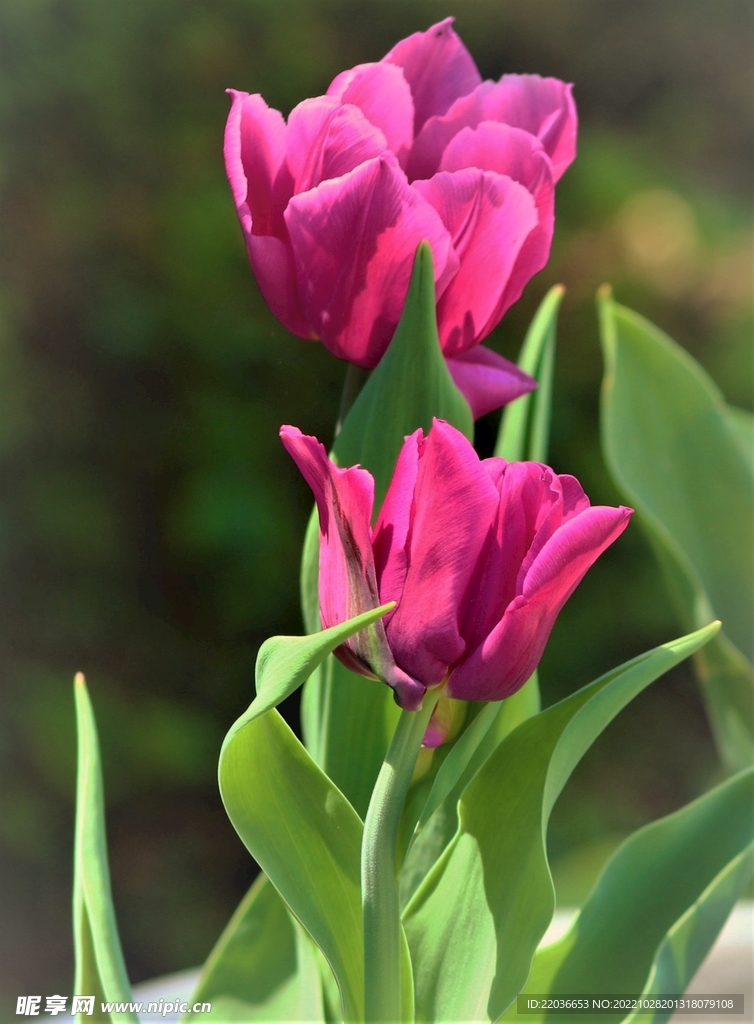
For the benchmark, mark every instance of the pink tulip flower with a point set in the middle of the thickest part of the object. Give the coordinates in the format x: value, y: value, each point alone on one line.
x: 415, y: 147
x: 480, y: 556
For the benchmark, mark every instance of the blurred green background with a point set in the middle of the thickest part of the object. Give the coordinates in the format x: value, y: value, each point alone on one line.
x: 150, y: 522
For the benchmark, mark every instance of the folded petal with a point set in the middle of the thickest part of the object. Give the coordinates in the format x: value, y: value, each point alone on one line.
x: 394, y: 522
x: 437, y: 67
x: 254, y: 149
x: 383, y: 95
x: 521, y: 156
x: 347, y: 583
x: 344, y: 500
x: 454, y: 506
x: 354, y: 240
x: 543, y: 107
x: 509, y: 655
x: 327, y: 139
x: 487, y: 380
x: 489, y: 217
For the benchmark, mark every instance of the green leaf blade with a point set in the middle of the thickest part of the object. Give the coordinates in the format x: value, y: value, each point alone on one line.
x: 525, y: 424
x: 679, y: 455
x: 305, y: 836
x: 100, y: 967
x: 659, y: 904
x: 475, y: 923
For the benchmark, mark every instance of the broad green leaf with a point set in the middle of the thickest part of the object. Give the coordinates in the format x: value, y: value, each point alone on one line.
x: 285, y: 662
x: 305, y: 836
x: 100, y: 968
x: 525, y: 424
x: 348, y: 721
x: 677, y: 453
x: 659, y: 904
x: 474, y: 924
x: 253, y: 967
x: 689, y: 941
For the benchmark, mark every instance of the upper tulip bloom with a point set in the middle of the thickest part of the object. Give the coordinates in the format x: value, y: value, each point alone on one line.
x: 415, y: 147
x: 480, y: 557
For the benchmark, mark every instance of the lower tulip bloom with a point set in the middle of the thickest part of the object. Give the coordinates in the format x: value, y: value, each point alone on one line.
x: 479, y: 556
x: 414, y: 147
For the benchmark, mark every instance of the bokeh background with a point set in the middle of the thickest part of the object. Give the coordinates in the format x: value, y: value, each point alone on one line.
x: 150, y: 522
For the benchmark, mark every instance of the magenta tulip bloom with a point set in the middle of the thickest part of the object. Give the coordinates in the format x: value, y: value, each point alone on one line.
x: 480, y: 557
x: 334, y: 202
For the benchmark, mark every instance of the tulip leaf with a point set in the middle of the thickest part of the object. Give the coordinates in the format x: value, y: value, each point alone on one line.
x: 347, y: 721
x: 690, y: 939
x: 475, y: 922
x: 285, y: 662
x: 678, y: 454
x: 305, y: 836
x: 659, y: 903
x: 253, y: 968
x: 100, y: 967
x: 525, y: 424
x: 741, y: 422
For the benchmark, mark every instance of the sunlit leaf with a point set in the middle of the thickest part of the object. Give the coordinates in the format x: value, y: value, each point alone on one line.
x: 474, y: 924
x: 677, y: 453
x: 305, y: 836
x: 659, y: 903
x: 100, y: 968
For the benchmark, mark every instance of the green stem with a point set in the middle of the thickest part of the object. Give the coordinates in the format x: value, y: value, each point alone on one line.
x: 379, y: 877
x: 356, y: 378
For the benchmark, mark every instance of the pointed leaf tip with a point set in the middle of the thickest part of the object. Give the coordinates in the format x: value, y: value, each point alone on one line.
x: 285, y: 662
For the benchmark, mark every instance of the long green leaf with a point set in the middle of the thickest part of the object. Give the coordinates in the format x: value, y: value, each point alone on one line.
x: 525, y: 424
x: 659, y: 904
x: 100, y: 968
x: 347, y: 722
x: 672, y: 448
x: 305, y: 836
x: 689, y: 941
x: 475, y: 923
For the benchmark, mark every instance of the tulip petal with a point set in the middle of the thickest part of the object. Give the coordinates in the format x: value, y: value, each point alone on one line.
x: 394, y: 521
x: 347, y: 583
x: 327, y: 139
x: 487, y: 380
x: 383, y: 95
x: 509, y: 655
x: 254, y: 150
x: 437, y: 67
x: 354, y: 241
x: 454, y: 506
x: 521, y: 156
x: 543, y: 107
x: 489, y: 218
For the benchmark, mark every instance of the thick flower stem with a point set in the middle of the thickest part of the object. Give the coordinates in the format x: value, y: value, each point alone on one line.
x: 379, y: 881
x: 356, y: 378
